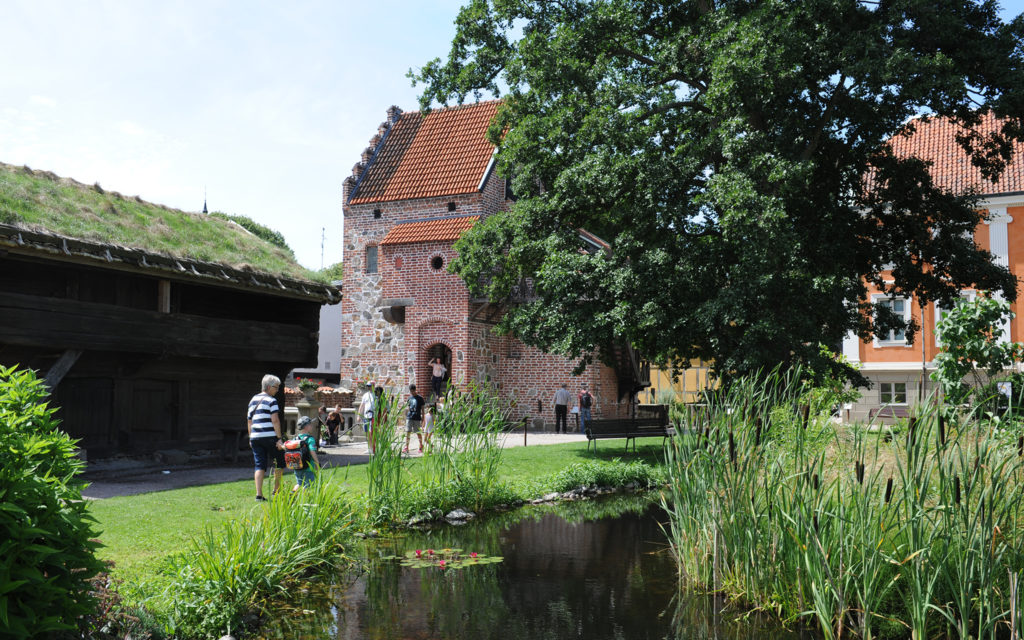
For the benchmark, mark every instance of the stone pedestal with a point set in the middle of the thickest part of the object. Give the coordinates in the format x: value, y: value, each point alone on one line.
x: 308, y: 409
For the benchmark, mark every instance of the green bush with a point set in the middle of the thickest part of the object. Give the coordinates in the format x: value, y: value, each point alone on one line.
x: 256, y: 229
x: 606, y: 474
x: 47, y: 556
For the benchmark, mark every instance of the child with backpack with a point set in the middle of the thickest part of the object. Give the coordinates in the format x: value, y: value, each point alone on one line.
x: 300, y: 453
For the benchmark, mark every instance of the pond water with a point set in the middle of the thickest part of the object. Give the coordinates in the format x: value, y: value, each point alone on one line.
x: 597, y: 569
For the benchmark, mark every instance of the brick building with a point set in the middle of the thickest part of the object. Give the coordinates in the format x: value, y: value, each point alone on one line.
x: 422, y: 182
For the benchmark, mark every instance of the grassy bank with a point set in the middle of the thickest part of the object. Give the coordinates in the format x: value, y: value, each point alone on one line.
x: 140, y: 532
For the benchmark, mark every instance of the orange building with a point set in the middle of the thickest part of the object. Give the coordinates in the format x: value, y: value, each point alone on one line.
x: 900, y: 371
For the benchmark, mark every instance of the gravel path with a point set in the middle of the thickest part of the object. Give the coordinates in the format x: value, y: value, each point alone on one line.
x: 130, y: 477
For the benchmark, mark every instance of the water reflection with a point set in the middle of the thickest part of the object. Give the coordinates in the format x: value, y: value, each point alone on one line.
x: 564, y: 575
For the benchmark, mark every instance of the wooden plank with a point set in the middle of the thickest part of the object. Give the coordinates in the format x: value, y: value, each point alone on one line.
x: 61, y: 367
x: 70, y: 324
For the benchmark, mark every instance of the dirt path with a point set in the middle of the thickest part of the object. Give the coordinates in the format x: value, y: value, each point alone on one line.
x: 126, y: 478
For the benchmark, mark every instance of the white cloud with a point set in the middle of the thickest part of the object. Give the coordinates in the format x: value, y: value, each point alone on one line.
x: 42, y: 101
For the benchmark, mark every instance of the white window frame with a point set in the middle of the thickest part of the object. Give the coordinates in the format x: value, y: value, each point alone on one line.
x: 892, y: 394
x: 891, y: 340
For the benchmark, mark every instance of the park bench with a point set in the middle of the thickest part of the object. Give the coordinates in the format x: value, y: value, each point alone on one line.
x: 888, y: 411
x: 628, y: 428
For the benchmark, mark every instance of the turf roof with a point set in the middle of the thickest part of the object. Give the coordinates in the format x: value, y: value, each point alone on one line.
x: 42, y: 201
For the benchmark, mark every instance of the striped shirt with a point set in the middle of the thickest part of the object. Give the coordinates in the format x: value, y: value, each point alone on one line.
x: 261, y: 408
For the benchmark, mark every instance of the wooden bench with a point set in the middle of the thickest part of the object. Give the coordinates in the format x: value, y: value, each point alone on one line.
x: 231, y: 442
x: 888, y: 411
x: 628, y: 428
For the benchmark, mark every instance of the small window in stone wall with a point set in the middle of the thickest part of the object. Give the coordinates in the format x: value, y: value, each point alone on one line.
x: 437, y: 262
x: 371, y: 259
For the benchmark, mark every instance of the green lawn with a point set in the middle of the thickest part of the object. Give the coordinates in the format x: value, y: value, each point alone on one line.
x: 140, y: 531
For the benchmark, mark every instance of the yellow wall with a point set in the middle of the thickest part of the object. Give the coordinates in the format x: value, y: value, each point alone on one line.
x: 688, y: 386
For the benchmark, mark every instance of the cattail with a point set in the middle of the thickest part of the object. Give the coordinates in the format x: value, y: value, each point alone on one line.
x: 732, y: 448
x: 859, y: 466
x: 956, y: 489
x: 942, y: 431
x: 1020, y: 447
x: 807, y: 414
x: 888, y: 490
x: 910, y: 431
x: 757, y: 432
x: 814, y: 482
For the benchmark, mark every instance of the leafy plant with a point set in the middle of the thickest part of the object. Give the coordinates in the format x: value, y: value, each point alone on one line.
x: 971, y: 344
x: 47, y: 550
x: 227, y: 573
x: 614, y: 474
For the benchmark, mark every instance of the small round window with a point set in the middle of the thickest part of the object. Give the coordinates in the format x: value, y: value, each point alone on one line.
x: 437, y: 262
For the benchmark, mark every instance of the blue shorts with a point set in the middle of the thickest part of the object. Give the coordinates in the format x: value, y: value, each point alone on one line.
x: 304, y: 477
x: 264, y: 450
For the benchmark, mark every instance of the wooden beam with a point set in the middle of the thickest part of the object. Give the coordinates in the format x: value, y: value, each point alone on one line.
x: 61, y: 368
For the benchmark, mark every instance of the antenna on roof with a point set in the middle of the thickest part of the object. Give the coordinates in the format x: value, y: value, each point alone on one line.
x: 204, y: 199
x: 323, y: 235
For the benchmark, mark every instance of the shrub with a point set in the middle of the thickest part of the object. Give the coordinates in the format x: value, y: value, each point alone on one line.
x: 606, y: 474
x: 256, y: 229
x: 47, y: 556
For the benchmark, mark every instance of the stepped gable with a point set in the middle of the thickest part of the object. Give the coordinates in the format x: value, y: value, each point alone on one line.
x: 442, y: 153
x: 934, y: 140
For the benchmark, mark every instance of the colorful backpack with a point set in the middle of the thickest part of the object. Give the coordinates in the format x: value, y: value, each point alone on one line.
x: 296, y: 452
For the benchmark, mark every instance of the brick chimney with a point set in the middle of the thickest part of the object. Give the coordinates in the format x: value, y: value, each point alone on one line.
x: 394, y: 113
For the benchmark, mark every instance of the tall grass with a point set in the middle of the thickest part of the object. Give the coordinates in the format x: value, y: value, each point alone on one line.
x: 386, y: 475
x: 776, y: 506
x: 225, y: 574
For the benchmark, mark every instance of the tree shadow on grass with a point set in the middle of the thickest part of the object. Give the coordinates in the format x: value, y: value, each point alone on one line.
x: 649, y: 450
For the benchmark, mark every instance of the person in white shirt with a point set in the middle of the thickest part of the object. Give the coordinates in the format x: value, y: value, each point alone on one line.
x: 562, y: 400
x: 437, y: 376
x: 366, y: 407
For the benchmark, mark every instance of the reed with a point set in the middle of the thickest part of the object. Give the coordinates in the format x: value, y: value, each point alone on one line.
x: 775, y: 506
x: 225, y: 574
x: 385, y: 470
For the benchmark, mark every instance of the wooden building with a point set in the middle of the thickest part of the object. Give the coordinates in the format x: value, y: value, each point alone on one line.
x: 143, y: 350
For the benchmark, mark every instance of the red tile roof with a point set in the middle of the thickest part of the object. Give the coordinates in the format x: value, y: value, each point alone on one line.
x: 440, y: 230
x: 443, y: 153
x: 934, y: 140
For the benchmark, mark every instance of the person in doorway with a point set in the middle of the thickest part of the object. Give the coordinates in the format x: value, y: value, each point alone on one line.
x: 585, y: 402
x: 264, y: 422
x: 562, y: 400
x: 414, y: 417
x: 437, y: 376
x: 366, y: 409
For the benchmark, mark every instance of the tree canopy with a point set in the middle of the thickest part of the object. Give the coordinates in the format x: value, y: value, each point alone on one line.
x: 733, y: 155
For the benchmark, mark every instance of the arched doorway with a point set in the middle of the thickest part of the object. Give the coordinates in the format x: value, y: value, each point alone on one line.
x: 434, y: 351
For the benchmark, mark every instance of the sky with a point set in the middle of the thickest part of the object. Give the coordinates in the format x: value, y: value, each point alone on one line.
x: 263, y: 107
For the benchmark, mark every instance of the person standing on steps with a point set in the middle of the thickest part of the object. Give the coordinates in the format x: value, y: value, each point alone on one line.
x: 562, y: 400
x: 437, y: 376
x: 264, y: 422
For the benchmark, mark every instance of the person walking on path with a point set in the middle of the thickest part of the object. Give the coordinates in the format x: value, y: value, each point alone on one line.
x: 414, y: 417
x: 264, y: 422
x: 307, y: 474
x: 366, y: 408
x: 585, y: 401
x: 437, y: 376
x: 562, y: 400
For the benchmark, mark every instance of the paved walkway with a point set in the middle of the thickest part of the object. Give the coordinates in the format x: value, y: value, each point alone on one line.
x: 130, y: 477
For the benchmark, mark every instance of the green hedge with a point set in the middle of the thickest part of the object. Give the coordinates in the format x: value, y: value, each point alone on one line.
x: 46, y: 552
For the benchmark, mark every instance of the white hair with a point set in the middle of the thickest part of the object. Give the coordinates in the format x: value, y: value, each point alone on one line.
x: 270, y: 380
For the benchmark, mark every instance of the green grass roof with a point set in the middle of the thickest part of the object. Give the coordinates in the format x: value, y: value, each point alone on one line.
x: 42, y: 201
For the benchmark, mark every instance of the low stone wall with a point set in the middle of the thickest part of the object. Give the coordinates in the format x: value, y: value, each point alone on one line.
x: 325, y: 395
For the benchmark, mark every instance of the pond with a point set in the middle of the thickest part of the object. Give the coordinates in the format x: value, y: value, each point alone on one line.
x: 596, y: 569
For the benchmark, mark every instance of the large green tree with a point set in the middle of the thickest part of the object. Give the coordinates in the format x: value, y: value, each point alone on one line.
x: 733, y: 155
